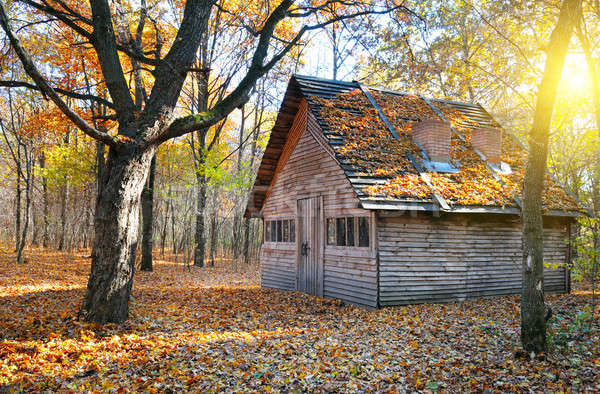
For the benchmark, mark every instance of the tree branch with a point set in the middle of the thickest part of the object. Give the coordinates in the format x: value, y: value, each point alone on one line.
x: 240, y: 95
x: 104, y: 41
x: 45, y: 88
x: 68, y: 93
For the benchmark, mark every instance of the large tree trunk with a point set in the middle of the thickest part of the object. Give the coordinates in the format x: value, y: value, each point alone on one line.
x: 116, y: 231
x: 533, y: 308
x: 147, y: 218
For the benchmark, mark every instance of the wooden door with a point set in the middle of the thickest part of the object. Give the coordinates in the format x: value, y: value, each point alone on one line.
x: 309, y: 278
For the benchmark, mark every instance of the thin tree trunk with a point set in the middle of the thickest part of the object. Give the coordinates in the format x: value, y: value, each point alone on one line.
x: 174, y: 243
x: 533, y: 308
x: 237, y: 219
x: 257, y: 123
x: 45, y: 203
x: 163, y: 236
x: 18, y: 201
x: 23, y: 236
x: 63, y: 208
x: 147, y: 215
x: 115, y: 238
x: 213, y: 238
x: 200, y: 234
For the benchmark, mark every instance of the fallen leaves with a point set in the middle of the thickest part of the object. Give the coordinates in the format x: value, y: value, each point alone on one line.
x: 212, y: 329
x: 362, y: 141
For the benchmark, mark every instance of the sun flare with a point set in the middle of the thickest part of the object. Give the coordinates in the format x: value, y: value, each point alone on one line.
x: 575, y: 77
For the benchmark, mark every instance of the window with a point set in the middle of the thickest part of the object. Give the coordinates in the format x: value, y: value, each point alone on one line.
x: 341, y: 231
x: 280, y: 231
x: 363, y: 231
x: 267, y: 231
x: 286, y: 231
x: 331, y: 231
x: 292, y: 231
x: 348, y: 231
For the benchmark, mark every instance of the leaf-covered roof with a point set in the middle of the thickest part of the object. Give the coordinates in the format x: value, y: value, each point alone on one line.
x: 389, y: 173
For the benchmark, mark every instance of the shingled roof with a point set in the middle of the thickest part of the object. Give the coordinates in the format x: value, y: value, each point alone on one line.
x: 369, y: 130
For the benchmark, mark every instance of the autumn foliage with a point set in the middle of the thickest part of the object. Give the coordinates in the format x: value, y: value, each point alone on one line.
x: 214, y: 329
x: 362, y: 141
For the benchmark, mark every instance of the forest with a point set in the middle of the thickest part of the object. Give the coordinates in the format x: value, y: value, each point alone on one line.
x: 132, y: 132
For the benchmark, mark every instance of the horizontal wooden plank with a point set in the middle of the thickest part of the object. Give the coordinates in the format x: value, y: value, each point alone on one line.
x: 456, y: 259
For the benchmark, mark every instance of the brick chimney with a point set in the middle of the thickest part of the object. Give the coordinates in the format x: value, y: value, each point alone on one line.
x: 488, y: 140
x: 434, y: 137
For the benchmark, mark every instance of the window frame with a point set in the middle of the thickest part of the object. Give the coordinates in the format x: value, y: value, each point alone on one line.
x: 355, y: 229
x: 276, y: 224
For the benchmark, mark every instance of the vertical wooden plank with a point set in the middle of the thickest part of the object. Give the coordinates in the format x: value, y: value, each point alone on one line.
x: 321, y: 250
x: 374, y: 246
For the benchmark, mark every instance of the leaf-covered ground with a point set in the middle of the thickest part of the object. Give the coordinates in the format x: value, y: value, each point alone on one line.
x: 213, y: 330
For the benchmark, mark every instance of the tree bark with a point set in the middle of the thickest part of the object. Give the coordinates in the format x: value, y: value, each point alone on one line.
x: 200, y: 234
x: 63, y: 208
x: 116, y: 231
x: 533, y: 308
x: 45, y: 203
x: 257, y: 123
x: 18, y: 201
x: 213, y: 233
x: 147, y: 218
x: 239, y: 211
x: 28, y: 175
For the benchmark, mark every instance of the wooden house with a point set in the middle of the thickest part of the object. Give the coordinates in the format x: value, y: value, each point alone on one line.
x: 380, y: 198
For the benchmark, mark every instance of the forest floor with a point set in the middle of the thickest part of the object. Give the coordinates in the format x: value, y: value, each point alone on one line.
x: 211, y: 329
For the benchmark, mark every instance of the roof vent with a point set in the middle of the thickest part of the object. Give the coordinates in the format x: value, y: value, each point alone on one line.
x: 488, y: 140
x: 433, y: 136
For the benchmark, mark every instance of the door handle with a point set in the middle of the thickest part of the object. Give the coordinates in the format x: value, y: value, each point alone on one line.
x: 304, y: 249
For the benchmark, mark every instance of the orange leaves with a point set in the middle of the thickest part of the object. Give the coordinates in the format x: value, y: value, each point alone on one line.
x: 368, y: 146
x: 191, y: 330
x: 371, y: 151
x: 409, y: 186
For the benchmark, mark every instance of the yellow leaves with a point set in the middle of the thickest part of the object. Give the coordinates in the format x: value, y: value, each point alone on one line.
x: 371, y: 151
x: 196, y: 332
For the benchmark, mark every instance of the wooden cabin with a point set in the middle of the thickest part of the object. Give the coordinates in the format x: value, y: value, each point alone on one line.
x: 380, y: 198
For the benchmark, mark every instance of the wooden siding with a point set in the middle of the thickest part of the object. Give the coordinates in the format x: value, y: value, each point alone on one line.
x: 453, y: 259
x: 309, y: 169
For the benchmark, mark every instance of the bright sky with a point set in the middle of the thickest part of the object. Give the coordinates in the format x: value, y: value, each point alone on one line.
x: 575, y: 79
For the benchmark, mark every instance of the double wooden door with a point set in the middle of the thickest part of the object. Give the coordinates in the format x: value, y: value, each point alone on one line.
x: 309, y: 277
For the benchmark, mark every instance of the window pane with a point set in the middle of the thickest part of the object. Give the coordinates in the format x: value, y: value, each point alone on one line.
x: 292, y: 230
x: 267, y: 231
x: 286, y: 231
x: 341, y: 231
x: 279, y: 231
x: 331, y: 231
x: 350, y: 231
x: 273, y: 231
x: 363, y: 231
